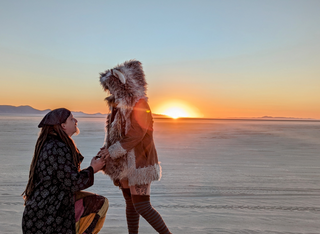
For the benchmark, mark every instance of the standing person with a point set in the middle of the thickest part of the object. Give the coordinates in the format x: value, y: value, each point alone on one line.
x: 53, y: 200
x: 131, y: 157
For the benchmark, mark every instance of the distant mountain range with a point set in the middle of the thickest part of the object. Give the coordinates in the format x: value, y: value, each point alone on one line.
x: 28, y: 110
x: 6, y: 109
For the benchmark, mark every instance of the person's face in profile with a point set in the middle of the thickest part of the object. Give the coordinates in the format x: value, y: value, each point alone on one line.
x: 70, y: 126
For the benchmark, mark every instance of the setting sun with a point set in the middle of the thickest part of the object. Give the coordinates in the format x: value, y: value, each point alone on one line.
x: 176, y: 112
x: 177, y: 109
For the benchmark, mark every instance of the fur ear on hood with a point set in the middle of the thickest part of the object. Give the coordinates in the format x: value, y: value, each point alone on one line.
x: 118, y: 74
x: 125, y: 80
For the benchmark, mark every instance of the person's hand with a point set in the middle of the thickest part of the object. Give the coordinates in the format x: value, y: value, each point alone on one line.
x: 97, y: 163
x: 104, y: 153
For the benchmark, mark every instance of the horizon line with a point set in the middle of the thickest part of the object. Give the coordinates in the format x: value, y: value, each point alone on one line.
x: 162, y: 116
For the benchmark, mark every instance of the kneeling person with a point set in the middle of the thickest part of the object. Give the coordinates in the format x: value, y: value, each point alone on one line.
x: 54, y: 202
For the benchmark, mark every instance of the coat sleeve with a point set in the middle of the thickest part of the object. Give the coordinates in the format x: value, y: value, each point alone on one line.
x: 141, y: 119
x: 67, y: 174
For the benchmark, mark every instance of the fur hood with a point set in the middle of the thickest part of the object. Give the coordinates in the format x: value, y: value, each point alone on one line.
x: 127, y: 86
x: 126, y: 83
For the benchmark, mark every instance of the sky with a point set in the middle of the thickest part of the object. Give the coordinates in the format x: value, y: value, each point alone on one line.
x: 209, y: 59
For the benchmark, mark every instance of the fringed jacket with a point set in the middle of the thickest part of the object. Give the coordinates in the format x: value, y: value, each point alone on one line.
x: 50, y: 209
x: 131, y: 142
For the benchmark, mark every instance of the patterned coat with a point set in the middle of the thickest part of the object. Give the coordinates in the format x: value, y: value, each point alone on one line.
x: 50, y: 209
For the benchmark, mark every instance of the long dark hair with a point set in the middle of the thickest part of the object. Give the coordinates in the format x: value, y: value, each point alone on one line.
x: 45, y: 131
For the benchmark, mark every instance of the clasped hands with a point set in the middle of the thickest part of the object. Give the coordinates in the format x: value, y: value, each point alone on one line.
x: 98, y: 162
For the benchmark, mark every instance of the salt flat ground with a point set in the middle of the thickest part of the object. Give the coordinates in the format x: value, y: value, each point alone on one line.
x: 219, y: 176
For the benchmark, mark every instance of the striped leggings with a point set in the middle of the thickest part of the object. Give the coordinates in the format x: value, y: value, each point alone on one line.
x: 137, y: 205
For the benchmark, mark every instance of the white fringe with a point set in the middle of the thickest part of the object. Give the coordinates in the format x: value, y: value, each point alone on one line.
x: 116, y: 150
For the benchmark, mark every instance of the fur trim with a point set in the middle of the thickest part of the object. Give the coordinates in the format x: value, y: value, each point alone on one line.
x: 125, y: 93
x: 135, y: 86
x: 116, y: 150
x: 117, y: 168
x: 144, y: 175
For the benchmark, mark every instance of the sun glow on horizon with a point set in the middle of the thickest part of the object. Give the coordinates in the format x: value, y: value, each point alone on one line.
x: 176, y: 112
x: 177, y: 109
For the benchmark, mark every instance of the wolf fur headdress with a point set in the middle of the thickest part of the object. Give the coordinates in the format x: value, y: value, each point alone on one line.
x: 125, y: 80
x: 127, y: 85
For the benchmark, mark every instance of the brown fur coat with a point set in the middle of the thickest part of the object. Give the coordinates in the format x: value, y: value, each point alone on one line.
x: 129, y: 130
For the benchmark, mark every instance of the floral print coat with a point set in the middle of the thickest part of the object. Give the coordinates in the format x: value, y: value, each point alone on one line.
x: 50, y: 209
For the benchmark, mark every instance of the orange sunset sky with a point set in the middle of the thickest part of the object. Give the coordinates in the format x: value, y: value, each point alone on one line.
x: 211, y: 59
